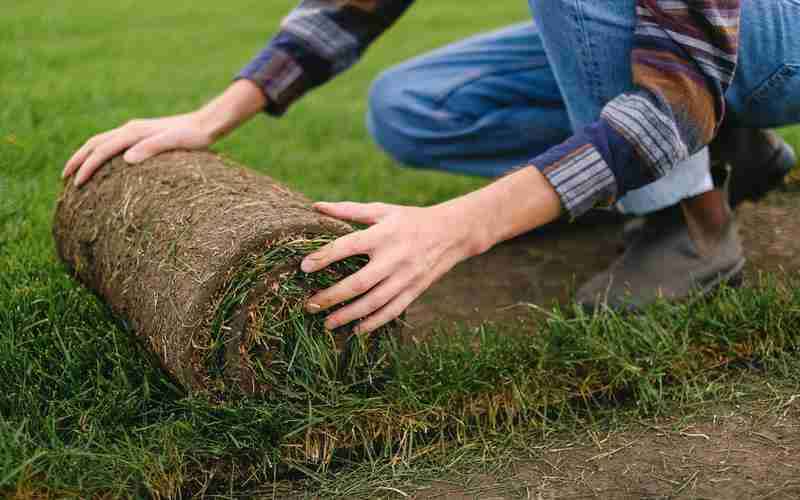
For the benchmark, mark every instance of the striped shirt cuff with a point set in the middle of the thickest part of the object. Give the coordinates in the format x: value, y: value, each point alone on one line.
x: 649, y: 130
x: 580, y: 176
x: 280, y: 78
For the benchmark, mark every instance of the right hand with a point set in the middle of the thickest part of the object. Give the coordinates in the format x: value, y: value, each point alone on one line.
x: 142, y: 139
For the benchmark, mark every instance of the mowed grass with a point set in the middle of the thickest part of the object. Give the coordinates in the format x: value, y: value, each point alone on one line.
x: 83, y: 413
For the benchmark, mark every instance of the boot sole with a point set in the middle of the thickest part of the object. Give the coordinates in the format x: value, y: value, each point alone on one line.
x: 733, y: 278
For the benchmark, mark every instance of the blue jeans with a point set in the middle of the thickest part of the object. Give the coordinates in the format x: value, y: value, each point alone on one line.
x: 491, y: 103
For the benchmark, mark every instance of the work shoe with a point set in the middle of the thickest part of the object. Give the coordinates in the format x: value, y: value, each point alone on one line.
x: 759, y: 162
x: 662, y: 261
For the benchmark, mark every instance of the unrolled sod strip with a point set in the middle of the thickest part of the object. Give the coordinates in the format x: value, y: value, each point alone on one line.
x: 199, y: 257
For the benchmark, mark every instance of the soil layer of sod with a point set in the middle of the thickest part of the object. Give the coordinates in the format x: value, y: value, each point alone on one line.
x: 199, y: 257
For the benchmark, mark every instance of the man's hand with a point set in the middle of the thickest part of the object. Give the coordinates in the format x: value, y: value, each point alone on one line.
x: 409, y: 249
x: 146, y: 138
x: 142, y: 139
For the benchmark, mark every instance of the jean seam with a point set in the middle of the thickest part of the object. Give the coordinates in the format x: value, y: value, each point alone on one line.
x: 587, y: 53
x: 780, y: 76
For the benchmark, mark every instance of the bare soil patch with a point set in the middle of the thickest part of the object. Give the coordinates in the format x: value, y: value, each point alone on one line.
x: 748, y: 452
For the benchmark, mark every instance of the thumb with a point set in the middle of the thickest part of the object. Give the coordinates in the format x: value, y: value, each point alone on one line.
x: 363, y: 213
x: 149, y: 148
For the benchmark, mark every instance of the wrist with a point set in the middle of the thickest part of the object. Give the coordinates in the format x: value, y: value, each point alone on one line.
x: 237, y: 104
x: 509, y: 207
x: 464, y: 220
x: 210, y: 123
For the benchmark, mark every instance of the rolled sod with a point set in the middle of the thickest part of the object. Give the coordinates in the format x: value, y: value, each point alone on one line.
x: 199, y: 258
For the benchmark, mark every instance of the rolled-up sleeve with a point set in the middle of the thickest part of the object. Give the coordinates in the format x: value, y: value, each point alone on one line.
x: 318, y: 40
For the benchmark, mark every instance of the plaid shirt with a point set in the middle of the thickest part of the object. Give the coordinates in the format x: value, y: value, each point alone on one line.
x: 684, y: 59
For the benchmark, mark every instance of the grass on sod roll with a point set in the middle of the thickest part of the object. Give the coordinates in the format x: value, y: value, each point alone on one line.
x: 281, y: 337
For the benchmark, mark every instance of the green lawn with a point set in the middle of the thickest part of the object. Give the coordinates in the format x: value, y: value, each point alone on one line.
x: 81, y: 411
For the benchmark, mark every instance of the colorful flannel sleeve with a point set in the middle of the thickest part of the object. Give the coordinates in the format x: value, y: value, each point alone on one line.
x: 684, y: 59
x: 318, y: 40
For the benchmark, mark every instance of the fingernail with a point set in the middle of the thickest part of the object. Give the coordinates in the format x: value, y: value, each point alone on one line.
x: 313, y: 308
x: 330, y: 325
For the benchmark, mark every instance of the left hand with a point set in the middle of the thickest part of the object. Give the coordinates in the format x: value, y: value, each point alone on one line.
x: 409, y: 248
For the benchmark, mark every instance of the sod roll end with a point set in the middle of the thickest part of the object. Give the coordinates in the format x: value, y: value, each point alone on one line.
x: 199, y: 258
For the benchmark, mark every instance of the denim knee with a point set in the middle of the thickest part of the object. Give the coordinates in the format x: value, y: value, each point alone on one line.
x: 388, y: 109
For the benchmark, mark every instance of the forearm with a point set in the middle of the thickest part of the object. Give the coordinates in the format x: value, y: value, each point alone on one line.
x: 509, y: 207
x: 237, y: 104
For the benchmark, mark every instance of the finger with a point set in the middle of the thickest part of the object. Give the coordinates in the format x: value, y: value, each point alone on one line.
x: 151, y: 147
x: 389, y: 312
x: 82, y: 153
x: 349, y: 288
x: 363, y: 213
x: 357, y: 243
x: 368, y: 304
x: 102, y: 154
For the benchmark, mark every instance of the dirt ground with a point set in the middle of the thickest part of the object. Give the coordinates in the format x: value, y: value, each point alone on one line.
x: 735, y: 453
